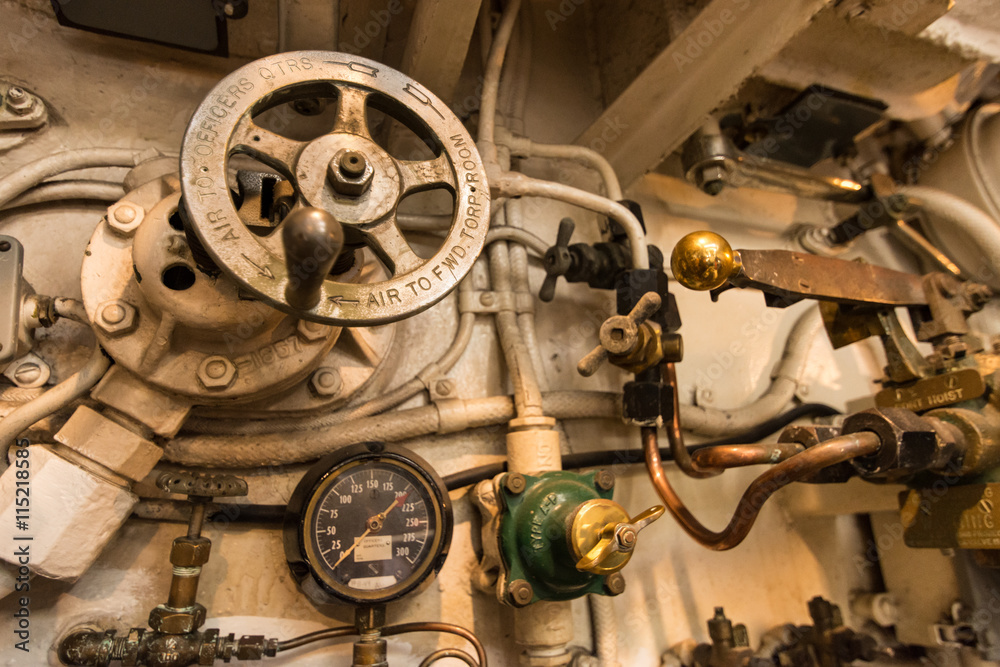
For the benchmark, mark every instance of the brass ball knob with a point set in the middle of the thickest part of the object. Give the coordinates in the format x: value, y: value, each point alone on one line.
x: 703, y: 261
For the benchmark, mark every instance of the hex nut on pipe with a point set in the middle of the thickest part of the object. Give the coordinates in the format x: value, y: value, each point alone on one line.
x: 216, y: 372
x: 117, y: 317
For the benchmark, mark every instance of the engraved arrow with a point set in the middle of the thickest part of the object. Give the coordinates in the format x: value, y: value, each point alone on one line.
x: 262, y: 270
x: 339, y: 300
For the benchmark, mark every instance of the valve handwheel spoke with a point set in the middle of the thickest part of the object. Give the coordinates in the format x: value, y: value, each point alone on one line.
x: 278, y: 152
x: 344, y: 173
x: 352, y: 111
x: 422, y: 175
x: 386, y: 240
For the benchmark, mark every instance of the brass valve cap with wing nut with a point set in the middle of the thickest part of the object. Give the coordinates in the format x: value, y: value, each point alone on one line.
x: 603, y: 536
x: 703, y: 261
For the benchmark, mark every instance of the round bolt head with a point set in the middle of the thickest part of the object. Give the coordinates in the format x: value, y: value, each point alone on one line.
x: 487, y: 299
x: 604, y: 480
x: 521, y: 593
x: 353, y: 164
x: 326, y: 381
x: 444, y: 387
x: 515, y: 483
x: 124, y: 218
x: 117, y: 317
x: 27, y: 373
x: 614, y: 584
x: 216, y: 372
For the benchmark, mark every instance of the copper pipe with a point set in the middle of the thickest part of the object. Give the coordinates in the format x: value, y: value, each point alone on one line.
x: 439, y: 627
x: 735, y: 456
x: 674, y: 434
x: 831, y: 452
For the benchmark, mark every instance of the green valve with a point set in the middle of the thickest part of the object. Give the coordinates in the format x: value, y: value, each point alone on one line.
x: 562, y: 537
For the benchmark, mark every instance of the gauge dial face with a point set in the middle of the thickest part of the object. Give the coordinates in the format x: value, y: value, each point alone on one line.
x: 374, y: 529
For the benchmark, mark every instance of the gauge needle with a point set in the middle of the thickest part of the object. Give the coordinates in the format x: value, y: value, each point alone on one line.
x: 381, y: 517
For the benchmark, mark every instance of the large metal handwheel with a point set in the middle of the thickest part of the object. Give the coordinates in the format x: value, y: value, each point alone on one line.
x: 344, y: 172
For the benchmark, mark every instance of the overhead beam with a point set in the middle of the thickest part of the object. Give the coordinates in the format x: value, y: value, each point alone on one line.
x: 690, y: 78
x: 439, y: 42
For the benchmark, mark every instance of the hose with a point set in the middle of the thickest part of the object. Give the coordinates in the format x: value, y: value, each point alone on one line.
x: 445, y: 416
x: 52, y: 401
x: 958, y: 214
x: 517, y: 235
x: 33, y: 173
x: 513, y: 184
x: 831, y: 452
x: 491, y: 83
x: 526, y: 148
x: 716, y: 422
x: 605, y: 630
x: 51, y: 191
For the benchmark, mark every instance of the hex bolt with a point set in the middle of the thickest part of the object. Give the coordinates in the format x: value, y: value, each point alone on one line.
x: 521, y: 592
x: 312, y: 331
x: 19, y: 101
x: 614, y: 584
x: 326, y: 382
x: 515, y: 483
x: 216, y: 372
x: 124, y: 218
x: 604, y: 480
x: 116, y: 317
x: 349, y: 173
x: 444, y: 387
x: 627, y: 538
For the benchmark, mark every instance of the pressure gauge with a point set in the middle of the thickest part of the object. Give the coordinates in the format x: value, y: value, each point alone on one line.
x: 367, y: 525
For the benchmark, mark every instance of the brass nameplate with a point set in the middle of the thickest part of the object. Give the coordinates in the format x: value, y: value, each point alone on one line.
x: 934, y: 392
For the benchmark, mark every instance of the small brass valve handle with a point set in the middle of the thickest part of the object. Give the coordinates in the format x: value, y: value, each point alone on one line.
x: 621, y: 335
x: 703, y: 261
x: 604, y: 537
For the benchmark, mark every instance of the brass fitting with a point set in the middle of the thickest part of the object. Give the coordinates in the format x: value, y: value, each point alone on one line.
x: 190, y: 551
x: 172, y: 621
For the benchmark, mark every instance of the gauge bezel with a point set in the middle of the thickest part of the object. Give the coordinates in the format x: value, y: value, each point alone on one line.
x: 310, y: 574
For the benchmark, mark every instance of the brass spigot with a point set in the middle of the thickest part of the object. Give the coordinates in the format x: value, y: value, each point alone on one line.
x: 630, y: 341
x: 703, y: 261
x: 603, y: 536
